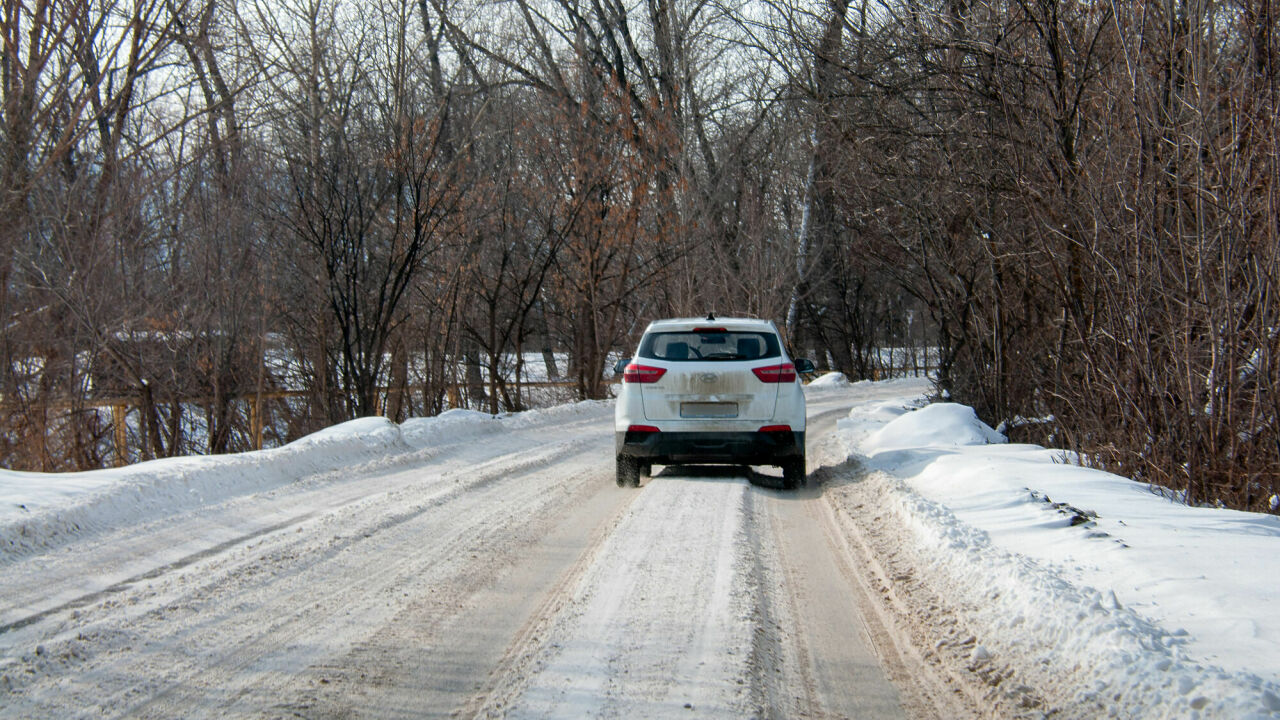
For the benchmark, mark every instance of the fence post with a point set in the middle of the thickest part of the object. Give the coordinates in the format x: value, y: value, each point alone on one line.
x: 119, y: 413
x: 255, y: 420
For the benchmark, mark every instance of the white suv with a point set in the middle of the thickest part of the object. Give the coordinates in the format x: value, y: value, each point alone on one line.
x: 707, y: 390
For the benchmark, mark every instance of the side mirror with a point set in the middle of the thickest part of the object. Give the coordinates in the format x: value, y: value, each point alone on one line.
x: 621, y: 365
x: 804, y: 366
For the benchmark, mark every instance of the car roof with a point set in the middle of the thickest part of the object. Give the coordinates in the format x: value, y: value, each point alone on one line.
x: 728, y: 323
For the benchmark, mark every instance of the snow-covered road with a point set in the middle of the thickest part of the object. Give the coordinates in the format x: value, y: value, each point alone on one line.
x: 495, y: 570
x: 489, y: 567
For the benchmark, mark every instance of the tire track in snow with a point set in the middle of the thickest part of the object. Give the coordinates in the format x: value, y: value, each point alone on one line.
x: 468, y: 481
x: 451, y: 525
x: 205, y: 637
x: 68, y: 577
x: 663, y: 621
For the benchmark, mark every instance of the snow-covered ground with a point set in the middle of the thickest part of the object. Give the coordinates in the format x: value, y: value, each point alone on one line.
x: 1097, y: 595
x: 38, y: 510
x: 1117, y: 595
x: 43, y: 510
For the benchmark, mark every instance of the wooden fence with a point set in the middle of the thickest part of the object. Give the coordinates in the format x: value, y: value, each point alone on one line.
x: 121, y: 406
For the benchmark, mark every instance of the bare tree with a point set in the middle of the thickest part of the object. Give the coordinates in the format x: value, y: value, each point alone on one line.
x: 366, y: 189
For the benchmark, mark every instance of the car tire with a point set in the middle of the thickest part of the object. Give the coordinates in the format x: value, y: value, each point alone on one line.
x: 792, y: 473
x: 628, y: 471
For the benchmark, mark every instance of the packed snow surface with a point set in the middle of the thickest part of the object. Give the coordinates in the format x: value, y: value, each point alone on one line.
x: 646, y: 588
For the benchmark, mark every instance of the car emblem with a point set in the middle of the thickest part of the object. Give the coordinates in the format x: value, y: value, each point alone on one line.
x: 708, y: 377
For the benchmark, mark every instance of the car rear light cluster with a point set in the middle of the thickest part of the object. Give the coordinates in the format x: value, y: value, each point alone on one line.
x: 776, y: 428
x: 642, y: 429
x: 783, y: 373
x: 635, y: 373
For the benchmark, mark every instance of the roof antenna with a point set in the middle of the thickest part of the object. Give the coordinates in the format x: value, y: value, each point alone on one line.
x: 711, y: 317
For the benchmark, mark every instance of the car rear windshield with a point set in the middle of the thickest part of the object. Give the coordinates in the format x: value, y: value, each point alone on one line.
x: 709, y: 345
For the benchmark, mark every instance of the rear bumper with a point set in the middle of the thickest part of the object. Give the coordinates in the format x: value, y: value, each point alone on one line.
x: 745, y: 448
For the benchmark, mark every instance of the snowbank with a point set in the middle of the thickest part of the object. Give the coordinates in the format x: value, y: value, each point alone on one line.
x: 1090, y: 584
x: 453, y: 424
x: 40, y: 510
x: 422, y: 432
x: 44, y: 510
x: 830, y: 380
x: 937, y: 425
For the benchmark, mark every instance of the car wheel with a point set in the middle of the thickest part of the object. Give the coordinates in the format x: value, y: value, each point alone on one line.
x: 792, y: 473
x: 628, y: 471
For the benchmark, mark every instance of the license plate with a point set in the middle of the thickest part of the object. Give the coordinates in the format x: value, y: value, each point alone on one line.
x: 709, y: 410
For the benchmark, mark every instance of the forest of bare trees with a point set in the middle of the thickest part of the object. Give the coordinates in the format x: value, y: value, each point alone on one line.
x: 227, y: 223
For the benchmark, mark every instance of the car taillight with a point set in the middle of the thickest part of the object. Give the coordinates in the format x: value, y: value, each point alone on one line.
x: 783, y: 373
x: 776, y: 428
x: 642, y: 428
x: 643, y: 373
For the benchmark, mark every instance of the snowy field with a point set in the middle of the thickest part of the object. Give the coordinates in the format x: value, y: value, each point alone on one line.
x: 1088, y: 592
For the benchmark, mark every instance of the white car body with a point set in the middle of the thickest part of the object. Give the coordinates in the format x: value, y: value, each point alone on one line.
x: 710, y: 390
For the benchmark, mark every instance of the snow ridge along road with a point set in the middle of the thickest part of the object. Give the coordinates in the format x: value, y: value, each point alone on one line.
x: 494, y: 569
